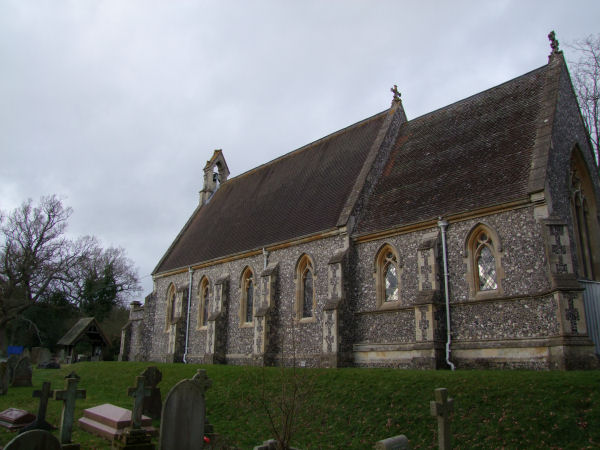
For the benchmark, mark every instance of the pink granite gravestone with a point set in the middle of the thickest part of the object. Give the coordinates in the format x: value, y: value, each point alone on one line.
x: 13, y: 418
x: 109, y: 421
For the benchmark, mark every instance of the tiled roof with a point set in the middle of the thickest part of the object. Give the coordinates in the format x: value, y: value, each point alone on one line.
x: 472, y: 154
x: 298, y: 194
x: 81, y: 327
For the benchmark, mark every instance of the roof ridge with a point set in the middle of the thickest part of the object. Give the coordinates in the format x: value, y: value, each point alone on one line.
x: 307, y: 146
x: 470, y: 97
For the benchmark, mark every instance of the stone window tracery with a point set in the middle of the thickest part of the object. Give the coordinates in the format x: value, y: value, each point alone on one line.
x: 171, y: 306
x: 203, y: 303
x: 484, y: 258
x: 247, y: 300
x: 388, y: 277
x: 305, y: 288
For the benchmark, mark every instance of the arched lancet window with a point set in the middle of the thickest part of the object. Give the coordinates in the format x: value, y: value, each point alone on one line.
x: 203, y: 302
x: 305, y: 288
x: 388, y: 276
x: 585, y: 224
x: 484, y: 261
x: 171, y: 305
x: 247, y: 300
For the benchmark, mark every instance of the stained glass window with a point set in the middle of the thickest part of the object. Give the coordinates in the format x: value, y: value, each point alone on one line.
x: 249, y: 299
x: 173, y: 305
x: 486, y: 265
x: 391, y: 282
x: 307, y: 305
x: 205, y: 304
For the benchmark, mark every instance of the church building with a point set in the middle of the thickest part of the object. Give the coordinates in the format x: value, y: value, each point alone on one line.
x: 464, y: 238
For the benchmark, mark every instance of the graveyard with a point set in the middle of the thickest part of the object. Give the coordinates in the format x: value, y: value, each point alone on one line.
x: 341, y: 408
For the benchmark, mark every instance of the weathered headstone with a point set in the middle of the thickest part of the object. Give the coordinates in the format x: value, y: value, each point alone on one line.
x: 4, y: 378
x: 184, y: 413
x: 135, y: 437
x: 34, y: 440
x: 12, y: 363
x: 23, y: 373
x: 40, y: 355
x: 441, y: 408
x: 394, y: 443
x: 68, y: 396
x: 152, y: 403
x: 15, y: 419
x: 40, y: 421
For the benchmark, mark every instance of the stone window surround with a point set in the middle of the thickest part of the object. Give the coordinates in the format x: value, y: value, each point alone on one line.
x: 171, y: 306
x: 204, y: 283
x: 305, y: 262
x: 586, y: 232
x: 471, y: 243
x: 379, y: 274
x: 247, y: 273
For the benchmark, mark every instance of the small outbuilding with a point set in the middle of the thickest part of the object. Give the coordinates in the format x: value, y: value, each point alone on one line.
x: 85, y: 330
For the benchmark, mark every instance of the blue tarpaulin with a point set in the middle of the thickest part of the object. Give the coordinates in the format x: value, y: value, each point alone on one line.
x: 14, y: 350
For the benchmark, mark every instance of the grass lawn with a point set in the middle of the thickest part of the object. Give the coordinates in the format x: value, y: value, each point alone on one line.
x: 354, y: 408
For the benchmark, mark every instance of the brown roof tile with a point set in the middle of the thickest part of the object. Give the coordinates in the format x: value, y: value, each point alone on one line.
x: 472, y: 154
x: 298, y: 194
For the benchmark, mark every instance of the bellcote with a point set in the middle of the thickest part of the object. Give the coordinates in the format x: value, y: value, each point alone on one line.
x: 215, y: 173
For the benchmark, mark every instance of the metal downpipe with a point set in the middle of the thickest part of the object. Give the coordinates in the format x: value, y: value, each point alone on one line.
x: 443, y: 225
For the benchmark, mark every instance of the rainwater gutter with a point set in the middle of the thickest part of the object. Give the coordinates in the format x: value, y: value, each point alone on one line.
x: 187, y: 320
x: 443, y: 224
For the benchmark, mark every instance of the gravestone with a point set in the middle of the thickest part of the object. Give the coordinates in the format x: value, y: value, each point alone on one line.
x: 40, y: 355
x: 22, y: 373
x: 152, y: 403
x: 4, y: 378
x: 12, y: 363
x: 135, y: 437
x: 68, y: 396
x: 109, y: 421
x: 184, y: 414
x: 34, y: 440
x: 441, y: 408
x: 40, y: 421
x: 15, y: 419
x: 394, y: 443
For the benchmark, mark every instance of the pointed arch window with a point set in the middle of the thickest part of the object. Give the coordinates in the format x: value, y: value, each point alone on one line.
x: 388, y: 277
x: 203, y: 302
x: 305, y: 288
x: 585, y: 224
x: 484, y: 261
x: 171, y: 305
x: 247, y: 299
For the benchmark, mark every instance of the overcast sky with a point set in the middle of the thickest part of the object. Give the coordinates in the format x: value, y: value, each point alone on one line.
x: 115, y: 106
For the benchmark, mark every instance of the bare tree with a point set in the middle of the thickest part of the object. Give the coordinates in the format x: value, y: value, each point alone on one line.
x: 586, y: 79
x: 37, y: 259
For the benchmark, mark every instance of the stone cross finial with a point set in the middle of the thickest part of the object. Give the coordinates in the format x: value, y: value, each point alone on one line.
x: 202, y: 381
x: 44, y: 395
x: 397, y: 94
x: 138, y: 392
x: 553, y: 42
x: 441, y: 408
x: 69, y: 395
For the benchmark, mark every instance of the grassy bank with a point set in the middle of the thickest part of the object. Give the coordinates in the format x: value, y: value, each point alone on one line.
x: 353, y: 408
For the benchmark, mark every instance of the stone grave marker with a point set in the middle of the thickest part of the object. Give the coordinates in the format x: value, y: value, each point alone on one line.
x: 184, y: 414
x: 22, y: 373
x: 34, y: 440
x: 136, y: 437
x: 109, y: 421
x: 68, y: 396
x: 12, y: 363
x: 40, y: 421
x: 152, y: 403
x: 4, y: 378
x: 441, y: 408
x: 15, y: 419
x: 40, y: 355
x: 399, y: 442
